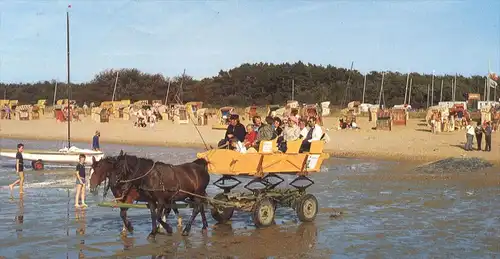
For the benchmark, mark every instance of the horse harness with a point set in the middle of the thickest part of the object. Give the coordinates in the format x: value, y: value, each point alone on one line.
x: 162, y: 186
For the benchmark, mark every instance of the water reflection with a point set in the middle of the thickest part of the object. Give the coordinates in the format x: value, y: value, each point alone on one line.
x: 80, y: 216
x: 226, y: 242
x: 20, y: 217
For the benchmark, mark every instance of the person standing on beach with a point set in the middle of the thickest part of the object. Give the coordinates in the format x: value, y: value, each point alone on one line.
x: 19, y: 169
x: 487, y: 136
x: 95, y: 141
x: 479, y: 135
x: 80, y: 182
x: 470, y: 137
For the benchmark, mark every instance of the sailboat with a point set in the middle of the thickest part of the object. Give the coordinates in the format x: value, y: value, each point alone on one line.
x: 67, y: 155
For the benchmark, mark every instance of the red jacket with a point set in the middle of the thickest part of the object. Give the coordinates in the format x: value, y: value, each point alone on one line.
x: 250, y: 138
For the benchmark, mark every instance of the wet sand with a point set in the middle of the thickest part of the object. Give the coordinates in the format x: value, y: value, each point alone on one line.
x: 389, y: 211
x: 413, y: 142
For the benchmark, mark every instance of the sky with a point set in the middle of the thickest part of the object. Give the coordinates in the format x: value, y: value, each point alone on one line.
x: 204, y: 37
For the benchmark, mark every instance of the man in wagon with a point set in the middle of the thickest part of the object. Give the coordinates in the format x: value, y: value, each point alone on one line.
x: 266, y: 131
x: 234, y: 130
x: 315, y: 133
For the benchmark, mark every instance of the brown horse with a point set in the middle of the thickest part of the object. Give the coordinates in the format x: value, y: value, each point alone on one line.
x: 101, y: 170
x: 162, y: 184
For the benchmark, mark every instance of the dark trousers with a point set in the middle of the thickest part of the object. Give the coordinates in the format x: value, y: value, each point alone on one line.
x: 470, y: 139
x: 479, y: 138
x: 488, y: 143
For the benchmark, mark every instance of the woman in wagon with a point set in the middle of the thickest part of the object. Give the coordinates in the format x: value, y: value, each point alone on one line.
x: 290, y: 133
x: 303, y: 128
x: 234, y: 129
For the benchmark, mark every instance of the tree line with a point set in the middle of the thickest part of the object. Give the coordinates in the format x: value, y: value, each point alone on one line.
x: 259, y: 84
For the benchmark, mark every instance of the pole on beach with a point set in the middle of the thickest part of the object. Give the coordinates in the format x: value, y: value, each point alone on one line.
x: 441, y: 94
x: 485, y: 86
x: 168, y: 90
x: 364, y: 89
x: 428, y: 88
x: 114, y: 89
x: 293, y: 89
x: 381, y: 90
x: 455, y: 86
x: 55, y: 93
x: 406, y: 89
x: 409, y: 94
x: 69, y: 82
x: 432, y: 89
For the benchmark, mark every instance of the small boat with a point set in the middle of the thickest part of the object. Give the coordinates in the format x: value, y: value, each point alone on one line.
x: 63, y: 156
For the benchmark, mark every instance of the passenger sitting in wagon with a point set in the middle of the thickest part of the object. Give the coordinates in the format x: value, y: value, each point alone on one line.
x: 250, y: 137
x: 290, y: 133
x: 277, y: 126
x: 303, y: 128
x: 234, y: 129
x: 315, y: 133
x: 265, y: 132
x: 257, y: 123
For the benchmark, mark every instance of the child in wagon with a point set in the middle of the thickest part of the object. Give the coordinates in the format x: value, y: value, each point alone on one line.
x: 80, y: 182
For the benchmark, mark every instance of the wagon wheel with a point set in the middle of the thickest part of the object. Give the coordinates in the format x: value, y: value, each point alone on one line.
x: 263, y: 212
x: 224, y: 214
x: 307, y: 208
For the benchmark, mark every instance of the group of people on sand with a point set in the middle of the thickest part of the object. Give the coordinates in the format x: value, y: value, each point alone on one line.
x: 478, y: 131
x: 247, y: 139
x: 147, y: 116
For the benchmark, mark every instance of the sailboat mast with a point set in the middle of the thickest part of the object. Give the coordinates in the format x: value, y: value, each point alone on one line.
x: 69, y: 81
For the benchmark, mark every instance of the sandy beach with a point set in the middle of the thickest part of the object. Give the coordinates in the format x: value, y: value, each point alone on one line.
x: 413, y: 142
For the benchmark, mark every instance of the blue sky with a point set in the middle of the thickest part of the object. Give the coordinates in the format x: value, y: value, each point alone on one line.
x: 206, y: 36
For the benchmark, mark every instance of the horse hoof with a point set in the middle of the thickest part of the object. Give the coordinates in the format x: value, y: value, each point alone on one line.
x: 185, y: 233
x: 204, y: 231
x: 151, y: 236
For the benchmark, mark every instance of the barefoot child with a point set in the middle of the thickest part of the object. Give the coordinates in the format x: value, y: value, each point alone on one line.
x: 80, y: 182
x: 19, y: 170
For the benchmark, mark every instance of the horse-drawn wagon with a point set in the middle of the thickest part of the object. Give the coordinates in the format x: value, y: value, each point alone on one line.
x: 264, y: 167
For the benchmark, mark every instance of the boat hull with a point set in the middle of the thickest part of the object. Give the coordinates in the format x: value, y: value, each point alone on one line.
x: 54, y: 157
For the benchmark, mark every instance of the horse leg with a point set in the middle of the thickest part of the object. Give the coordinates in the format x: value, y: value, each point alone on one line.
x: 154, y: 229
x: 196, y: 210
x: 164, y: 224
x: 176, y: 212
x: 203, y: 217
x: 127, y: 225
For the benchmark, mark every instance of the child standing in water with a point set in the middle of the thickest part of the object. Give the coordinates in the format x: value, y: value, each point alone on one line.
x: 80, y: 182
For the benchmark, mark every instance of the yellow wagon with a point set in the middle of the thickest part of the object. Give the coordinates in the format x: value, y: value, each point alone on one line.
x: 265, y: 167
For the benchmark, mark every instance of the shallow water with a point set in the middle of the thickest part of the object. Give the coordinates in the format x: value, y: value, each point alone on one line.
x: 383, y: 217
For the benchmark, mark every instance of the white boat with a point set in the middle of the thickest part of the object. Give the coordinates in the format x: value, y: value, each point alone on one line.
x: 63, y: 156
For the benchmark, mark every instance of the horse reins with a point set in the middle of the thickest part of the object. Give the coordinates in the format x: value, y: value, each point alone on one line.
x: 137, y: 178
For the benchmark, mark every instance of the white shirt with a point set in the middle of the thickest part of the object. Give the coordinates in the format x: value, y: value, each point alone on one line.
x: 317, y: 133
x: 303, y: 132
x: 240, y: 147
x: 470, y: 129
